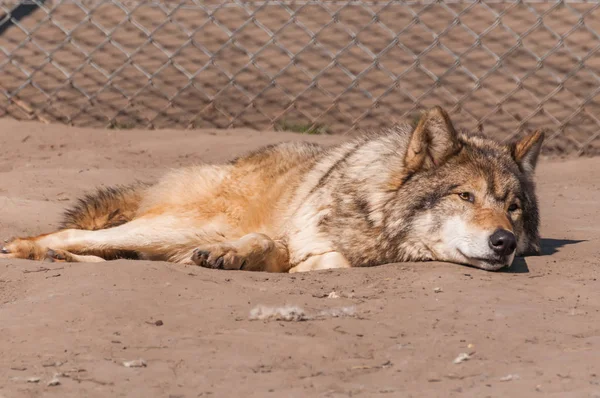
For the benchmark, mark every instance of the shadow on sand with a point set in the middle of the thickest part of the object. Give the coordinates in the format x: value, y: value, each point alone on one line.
x: 549, y: 247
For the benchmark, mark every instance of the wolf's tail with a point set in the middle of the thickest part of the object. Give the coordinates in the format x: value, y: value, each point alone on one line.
x: 105, y: 208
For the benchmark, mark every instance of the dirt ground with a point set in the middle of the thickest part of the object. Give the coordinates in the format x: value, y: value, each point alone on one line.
x: 534, y: 331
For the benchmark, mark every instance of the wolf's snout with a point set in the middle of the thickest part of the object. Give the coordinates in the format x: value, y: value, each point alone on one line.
x: 503, y: 242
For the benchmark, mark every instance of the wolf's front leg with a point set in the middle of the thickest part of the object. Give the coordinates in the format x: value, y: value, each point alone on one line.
x: 252, y: 252
x: 328, y: 260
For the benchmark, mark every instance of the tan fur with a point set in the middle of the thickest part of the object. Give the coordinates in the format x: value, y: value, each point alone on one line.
x: 488, y: 219
x: 298, y: 207
x: 106, y: 208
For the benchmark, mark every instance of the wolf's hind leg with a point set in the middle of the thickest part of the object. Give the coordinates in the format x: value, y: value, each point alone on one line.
x: 29, y: 249
x: 158, y: 237
x: 63, y: 256
x: 23, y: 248
x: 252, y: 252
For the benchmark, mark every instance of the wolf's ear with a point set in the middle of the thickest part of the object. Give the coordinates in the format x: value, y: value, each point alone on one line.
x: 432, y: 142
x: 526, y: 151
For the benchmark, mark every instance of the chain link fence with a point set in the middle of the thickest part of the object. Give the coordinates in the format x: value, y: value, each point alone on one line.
x: 500, y: 67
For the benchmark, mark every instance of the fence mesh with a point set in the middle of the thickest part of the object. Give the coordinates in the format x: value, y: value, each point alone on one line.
x: 500, y: 67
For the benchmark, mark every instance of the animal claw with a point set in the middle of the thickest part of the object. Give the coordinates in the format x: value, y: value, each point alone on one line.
x: 219, y: 263
x: 200, y: 257
x: 199, y: 252
x: 53, y: 256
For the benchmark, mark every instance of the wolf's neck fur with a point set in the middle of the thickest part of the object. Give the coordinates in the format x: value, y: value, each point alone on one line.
x: 359, y: 189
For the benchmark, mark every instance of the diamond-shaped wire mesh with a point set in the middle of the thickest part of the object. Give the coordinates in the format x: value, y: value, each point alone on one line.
x: 501, y: 67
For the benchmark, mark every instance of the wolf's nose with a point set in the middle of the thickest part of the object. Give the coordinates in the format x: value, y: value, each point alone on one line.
x: 503, y: 242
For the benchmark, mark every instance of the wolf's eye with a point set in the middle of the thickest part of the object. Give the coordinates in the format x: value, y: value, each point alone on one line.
x: 468, y: 196
x: 513, y: 207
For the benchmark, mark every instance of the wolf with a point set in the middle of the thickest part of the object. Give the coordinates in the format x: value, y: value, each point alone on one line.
x: 410, y: 193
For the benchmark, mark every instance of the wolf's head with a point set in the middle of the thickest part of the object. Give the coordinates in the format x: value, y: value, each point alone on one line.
x: 472, y: 199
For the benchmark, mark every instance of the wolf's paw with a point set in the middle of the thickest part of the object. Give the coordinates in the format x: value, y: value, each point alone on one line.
x: 219, y: 257
x: 22, y: 248
x: 58, y: 256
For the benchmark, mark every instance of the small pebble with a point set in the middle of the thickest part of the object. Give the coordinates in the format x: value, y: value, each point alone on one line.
x: 19, y: 368
x: 437, y: 290
x: 463, y: 356
x: 51, y: 363
x: 54, y: 382
x: 33, y: 380
x: 509, y: 377
x: 136, y: 363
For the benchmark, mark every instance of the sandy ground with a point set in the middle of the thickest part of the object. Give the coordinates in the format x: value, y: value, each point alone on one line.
x: 537, y: 327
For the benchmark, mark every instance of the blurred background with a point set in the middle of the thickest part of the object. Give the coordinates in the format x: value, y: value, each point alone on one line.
x: 316, y: 67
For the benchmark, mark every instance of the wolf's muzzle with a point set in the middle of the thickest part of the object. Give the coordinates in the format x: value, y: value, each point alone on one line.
x: 503, y: 242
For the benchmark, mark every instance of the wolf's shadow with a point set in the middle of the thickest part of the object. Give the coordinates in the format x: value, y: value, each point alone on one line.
x: 551, y: 246
x: 548, y: 246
